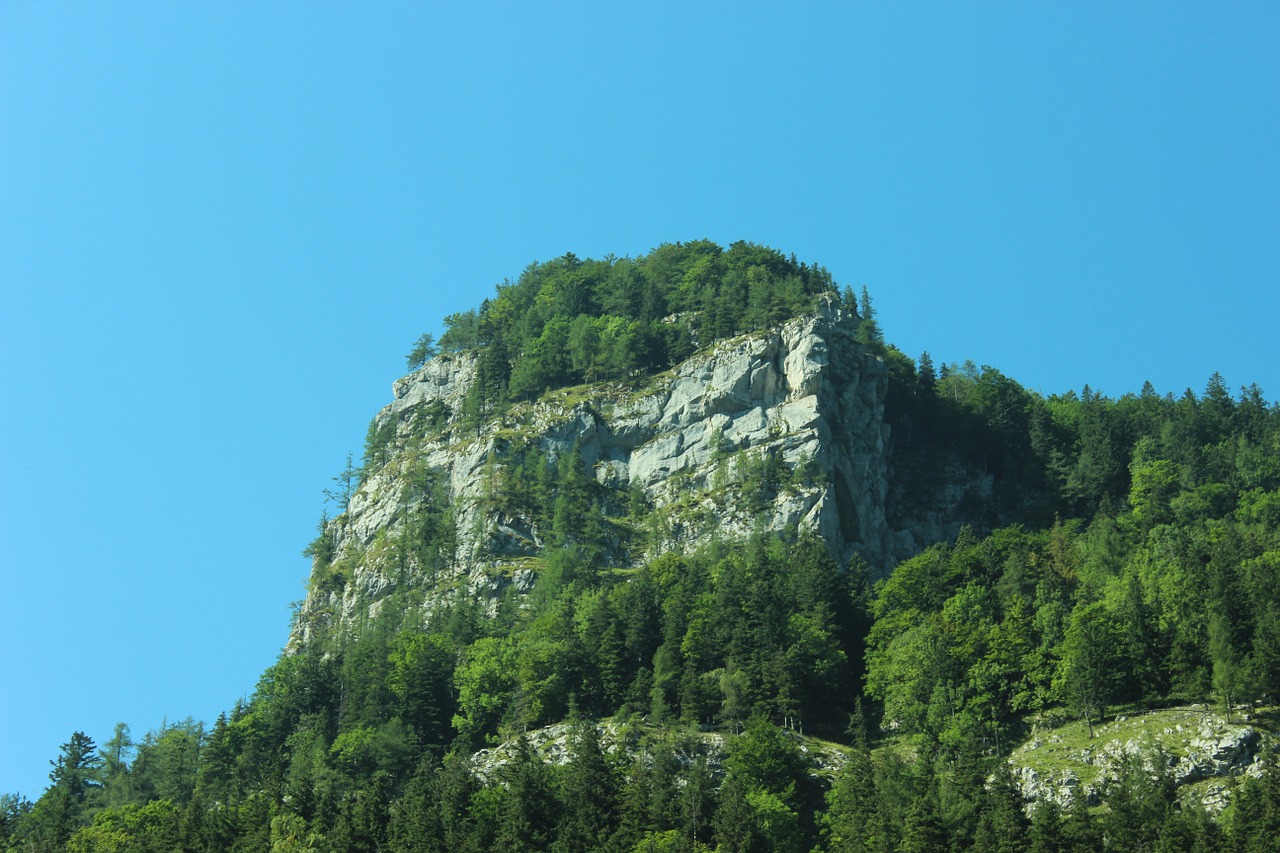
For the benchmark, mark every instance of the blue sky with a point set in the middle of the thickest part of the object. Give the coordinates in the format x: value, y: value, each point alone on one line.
x: 223, y: 225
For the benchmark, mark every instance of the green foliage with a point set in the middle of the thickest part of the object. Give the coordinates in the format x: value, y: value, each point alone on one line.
x: 378, y: 444
x: 421, y: 678
x: 569, y: 320
x: 67, y: 803
x: 423, y: 349
x: 345, y: 483
x: 321, y: 549
x: 589, y: 792
x: 1089, y: 670
x: 484, y: 681
x: 167, y: 763
x: 155, y: 826
x: 528, y: 807
x: 1157, y: 599
x: 462, y: 332
x: 766, y: 759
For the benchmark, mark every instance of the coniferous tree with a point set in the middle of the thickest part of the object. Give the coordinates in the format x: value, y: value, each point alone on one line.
x: 421, y: 678
x: 589, y: 793
x: 1087, y: 673
x: 423, y: 350
x: 453, y: 795
x: 922, y: 830
x: 64, y: 807
x: 926, y: 372
x: 529, y: 807
x: 735, y: 829
x: 853, y: 822
x: 14, y: 810
x: 869, y: 334
x: 633, y: 806
x: 1140, y: 802
x: 1002, y: 824
x: 1045, y: 834
x: 116, y: 754
x: 1079, y: 827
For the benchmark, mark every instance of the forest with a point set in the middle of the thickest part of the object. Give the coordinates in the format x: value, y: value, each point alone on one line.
x: 1129, y: 560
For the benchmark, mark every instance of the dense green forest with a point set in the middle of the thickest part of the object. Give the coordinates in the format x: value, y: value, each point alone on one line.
x: 1130, y: 559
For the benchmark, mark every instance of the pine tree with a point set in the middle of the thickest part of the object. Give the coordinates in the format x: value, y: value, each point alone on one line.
x: 529, y: 808
x: 589, y: 793
x: 925, y: 371
x: 1002, y: 824
x: 75, y: 776
x: 1045, y: 834
x: 423, y: 349
x: 853, y: 819
x: 923, y: 832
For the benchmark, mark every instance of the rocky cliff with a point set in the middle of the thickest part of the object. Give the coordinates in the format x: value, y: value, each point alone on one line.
x: 773, y: 431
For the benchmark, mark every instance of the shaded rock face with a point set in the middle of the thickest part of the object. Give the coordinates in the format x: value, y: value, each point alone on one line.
x: 805, y: 396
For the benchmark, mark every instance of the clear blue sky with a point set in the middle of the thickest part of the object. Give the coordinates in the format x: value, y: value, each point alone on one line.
x: 222, y: 226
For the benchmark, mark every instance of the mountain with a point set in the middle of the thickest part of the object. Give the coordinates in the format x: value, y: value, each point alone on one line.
x: 677, y: 553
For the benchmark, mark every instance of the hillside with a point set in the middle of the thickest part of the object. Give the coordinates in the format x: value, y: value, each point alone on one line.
x: 677, y: 553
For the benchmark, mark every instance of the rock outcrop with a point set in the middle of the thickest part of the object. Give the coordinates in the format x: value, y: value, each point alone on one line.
x: 804, y: 400
x: 1196, y: 748
x: 632, y: 740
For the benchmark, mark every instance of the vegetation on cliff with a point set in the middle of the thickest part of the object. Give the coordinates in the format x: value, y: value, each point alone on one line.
x: 569, y: 320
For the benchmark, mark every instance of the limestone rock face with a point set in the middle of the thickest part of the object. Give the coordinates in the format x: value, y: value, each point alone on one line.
x: 804, y: 400
x: 1224, y: 751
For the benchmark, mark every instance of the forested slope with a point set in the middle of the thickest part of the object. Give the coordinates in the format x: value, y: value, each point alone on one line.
x: 1035, y: 559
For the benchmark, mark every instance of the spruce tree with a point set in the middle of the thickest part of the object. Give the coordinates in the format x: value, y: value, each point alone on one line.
x: 589, y: 792
x: 735, y: 829
x: 529, y: 808
x: 1002, y: 824
x: 853, y: 821
x: 1045, y: 834
x: 925, y: 371
x: 923, y: 832
x: 65, y: 805
x: 415, y: 820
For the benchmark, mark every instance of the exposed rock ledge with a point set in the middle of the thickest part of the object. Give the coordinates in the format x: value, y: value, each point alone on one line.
x: 1196, y: 746
x: 633, y: 739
